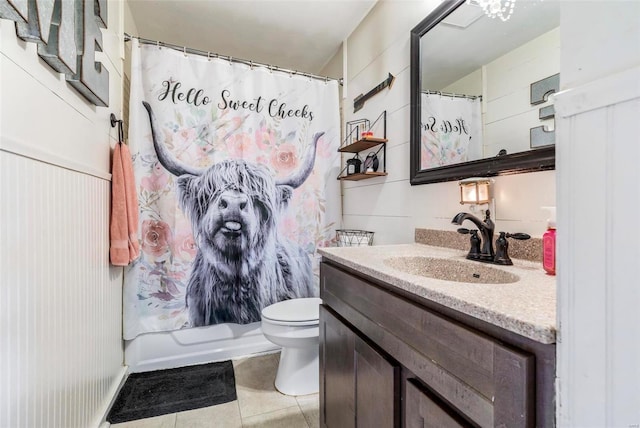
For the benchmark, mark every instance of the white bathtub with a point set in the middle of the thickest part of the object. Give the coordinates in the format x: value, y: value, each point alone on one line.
x: 164, y: 350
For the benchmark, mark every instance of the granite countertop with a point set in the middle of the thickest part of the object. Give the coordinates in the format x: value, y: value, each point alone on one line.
x: 526, y: 307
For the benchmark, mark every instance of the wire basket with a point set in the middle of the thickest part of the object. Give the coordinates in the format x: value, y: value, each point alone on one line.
x: 353, y: 238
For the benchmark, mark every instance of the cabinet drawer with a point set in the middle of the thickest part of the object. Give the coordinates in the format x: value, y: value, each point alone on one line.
x: 489, y: 383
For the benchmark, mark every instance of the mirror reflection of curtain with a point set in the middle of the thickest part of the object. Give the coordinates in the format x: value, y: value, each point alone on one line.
x: 451, y: 130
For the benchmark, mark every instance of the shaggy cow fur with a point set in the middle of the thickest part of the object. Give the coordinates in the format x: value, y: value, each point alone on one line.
x: 242, y: 264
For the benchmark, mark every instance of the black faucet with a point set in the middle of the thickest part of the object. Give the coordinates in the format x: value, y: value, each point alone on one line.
x: 486, y: 229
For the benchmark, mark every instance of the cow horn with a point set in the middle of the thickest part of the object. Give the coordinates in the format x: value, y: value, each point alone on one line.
x: 296, y: 179
x: 170, y: 162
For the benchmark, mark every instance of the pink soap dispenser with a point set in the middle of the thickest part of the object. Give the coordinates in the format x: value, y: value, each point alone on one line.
x: 549, y: 243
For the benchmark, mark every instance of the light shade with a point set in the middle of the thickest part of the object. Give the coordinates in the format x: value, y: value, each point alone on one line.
x: 502, y: 9
x: 475, y: 191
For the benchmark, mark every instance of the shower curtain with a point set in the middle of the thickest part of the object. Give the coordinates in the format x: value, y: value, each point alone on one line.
x: 230, y: 213
x: 451, y: 130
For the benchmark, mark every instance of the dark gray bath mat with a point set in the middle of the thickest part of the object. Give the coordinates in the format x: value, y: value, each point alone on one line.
x: 149, y: 394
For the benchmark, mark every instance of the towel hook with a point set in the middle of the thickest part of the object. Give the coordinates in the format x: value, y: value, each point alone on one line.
x: 115, y: 122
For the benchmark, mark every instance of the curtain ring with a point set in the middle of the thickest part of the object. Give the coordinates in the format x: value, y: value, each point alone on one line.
x: 158, y: 44
x: 230, y: 60
x: 326, y: 79
x: 208, y: 56
x: 251, y: 65
x: 184, y: 50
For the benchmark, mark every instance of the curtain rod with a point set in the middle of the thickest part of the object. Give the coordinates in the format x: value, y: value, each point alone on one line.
x: 449, y: 94
x: 128, y: 37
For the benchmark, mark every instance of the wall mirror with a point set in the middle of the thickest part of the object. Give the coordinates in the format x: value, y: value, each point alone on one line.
x: 480, y: 89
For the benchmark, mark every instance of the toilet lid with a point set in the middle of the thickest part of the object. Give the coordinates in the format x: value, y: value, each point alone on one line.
x: 294, y: 310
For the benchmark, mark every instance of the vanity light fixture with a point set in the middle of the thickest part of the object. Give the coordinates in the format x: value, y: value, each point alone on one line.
x: 475, y: 190
x: 496, y: 8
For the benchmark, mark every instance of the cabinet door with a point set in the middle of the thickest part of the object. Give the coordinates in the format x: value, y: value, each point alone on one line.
x: 424, y: 410
x: 337, y: 372
x: 377, y: 389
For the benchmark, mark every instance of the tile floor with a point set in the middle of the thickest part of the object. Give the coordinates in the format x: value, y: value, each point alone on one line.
x: 258, y: 404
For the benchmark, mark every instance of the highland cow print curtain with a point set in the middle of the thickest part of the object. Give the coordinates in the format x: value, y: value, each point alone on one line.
x: 451, y: 130
x: 236, y: 172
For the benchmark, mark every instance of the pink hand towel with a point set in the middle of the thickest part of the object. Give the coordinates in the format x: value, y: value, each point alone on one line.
x: 124, y: 209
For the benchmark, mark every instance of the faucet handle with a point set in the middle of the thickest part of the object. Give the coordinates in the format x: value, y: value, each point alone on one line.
x: 519, y: 236
x: 474, y: 241
x: 502, y: 247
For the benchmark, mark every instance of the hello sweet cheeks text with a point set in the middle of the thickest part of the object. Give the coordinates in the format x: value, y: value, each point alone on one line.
x: 172, y: 90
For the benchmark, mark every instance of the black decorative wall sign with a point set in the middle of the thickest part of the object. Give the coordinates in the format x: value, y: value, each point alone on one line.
x: 540, y: 136
x: 68, y: 34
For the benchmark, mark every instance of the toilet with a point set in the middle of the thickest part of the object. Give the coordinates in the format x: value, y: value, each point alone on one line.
x: 293, y: 325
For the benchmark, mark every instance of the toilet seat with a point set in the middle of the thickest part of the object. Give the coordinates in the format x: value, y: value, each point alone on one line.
x: 294, y: 312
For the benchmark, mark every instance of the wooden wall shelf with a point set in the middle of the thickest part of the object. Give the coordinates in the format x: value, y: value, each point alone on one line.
x: 363, y: 144
x: 362, y: 176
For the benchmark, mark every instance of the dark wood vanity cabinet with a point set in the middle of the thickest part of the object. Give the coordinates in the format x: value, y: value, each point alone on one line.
x: 425, y: 410
x: 360, y: 386
x: 390, y: 359
x: 337, y: 368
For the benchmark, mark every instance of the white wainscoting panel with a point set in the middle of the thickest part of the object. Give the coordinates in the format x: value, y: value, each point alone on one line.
x: 60, y: 301
x: 598, y: 159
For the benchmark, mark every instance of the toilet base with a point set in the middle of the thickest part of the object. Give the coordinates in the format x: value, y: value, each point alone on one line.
x: 298, y: 371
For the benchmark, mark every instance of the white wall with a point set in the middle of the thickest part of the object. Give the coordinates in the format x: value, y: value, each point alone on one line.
x: 130, y: 28
x: 60, y: 300
x: 504, y: 83
x: 333, y: 68
x: 509, y: 112
x: 598, y: 194
x: 390, y: 206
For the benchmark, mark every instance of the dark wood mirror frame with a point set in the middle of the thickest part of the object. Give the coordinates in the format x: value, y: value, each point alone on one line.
x: 515, y: 163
